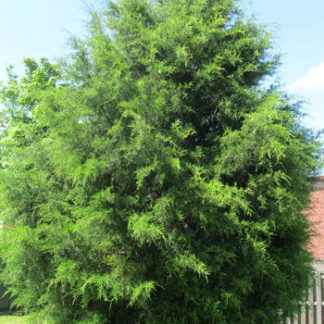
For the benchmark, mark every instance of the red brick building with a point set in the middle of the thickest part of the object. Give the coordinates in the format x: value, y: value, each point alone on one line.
x: 312, y: 310
x: 316, y: 218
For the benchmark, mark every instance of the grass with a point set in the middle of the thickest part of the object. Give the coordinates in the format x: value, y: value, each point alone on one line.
x: 13, y: 319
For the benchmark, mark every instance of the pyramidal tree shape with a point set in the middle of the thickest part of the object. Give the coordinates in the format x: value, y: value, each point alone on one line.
x: 151, y: 177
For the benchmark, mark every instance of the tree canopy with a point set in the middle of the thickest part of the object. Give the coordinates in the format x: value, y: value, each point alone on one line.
x: 152, y: 177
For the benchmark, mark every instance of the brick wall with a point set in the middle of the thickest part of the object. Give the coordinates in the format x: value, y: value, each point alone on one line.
x: 316, y: 218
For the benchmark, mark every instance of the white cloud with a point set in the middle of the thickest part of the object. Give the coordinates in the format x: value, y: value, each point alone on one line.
x: 314, y: 79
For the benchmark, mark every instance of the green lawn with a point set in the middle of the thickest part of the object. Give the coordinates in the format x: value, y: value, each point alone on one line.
x: 13, y: 320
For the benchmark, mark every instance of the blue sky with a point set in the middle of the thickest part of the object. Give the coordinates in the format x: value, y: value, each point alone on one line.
x: 38, y: 28
x: 298, y: 29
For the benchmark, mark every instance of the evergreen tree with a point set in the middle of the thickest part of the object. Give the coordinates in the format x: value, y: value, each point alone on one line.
x: 151, y: 177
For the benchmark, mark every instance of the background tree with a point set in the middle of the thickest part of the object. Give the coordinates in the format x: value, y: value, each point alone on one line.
x: 151, y: 177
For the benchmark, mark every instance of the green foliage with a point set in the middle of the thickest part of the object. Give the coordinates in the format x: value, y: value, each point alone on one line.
x: 151, y: 178
x: 13, y: 320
